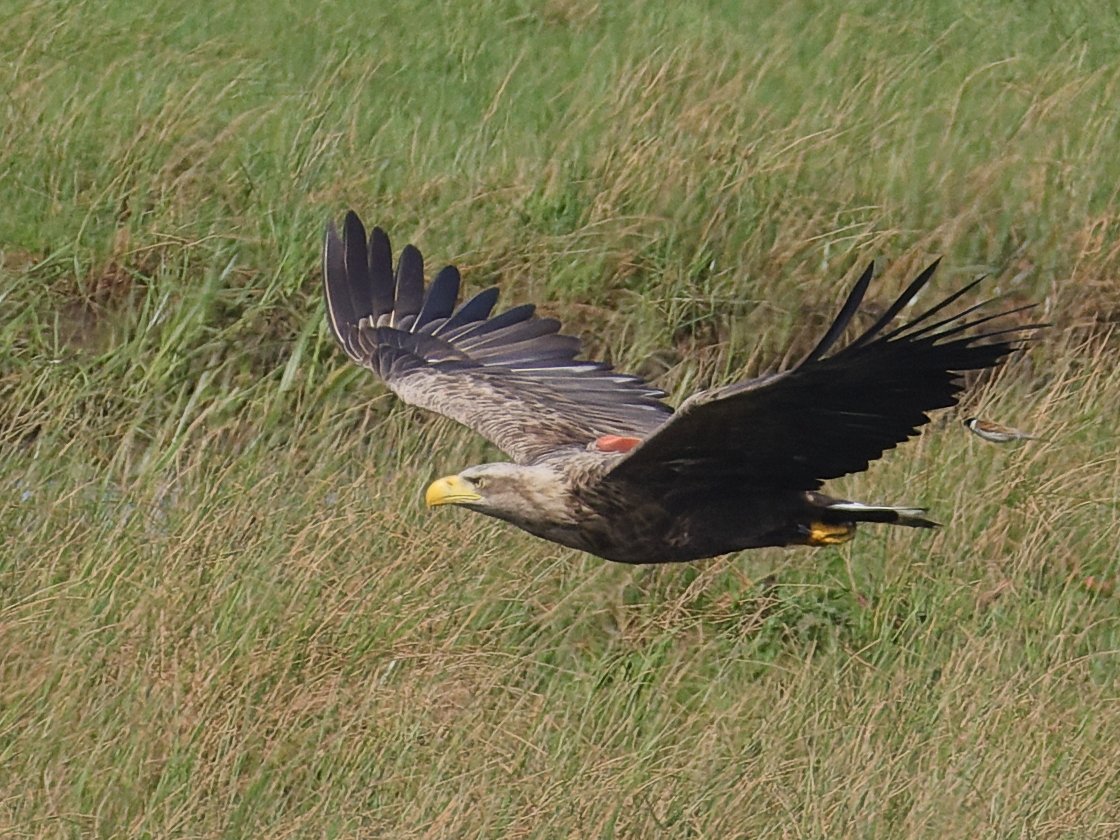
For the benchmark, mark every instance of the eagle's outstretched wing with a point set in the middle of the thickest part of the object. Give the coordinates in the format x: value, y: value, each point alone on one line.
x: 513, y: 377
x: 830, y: 415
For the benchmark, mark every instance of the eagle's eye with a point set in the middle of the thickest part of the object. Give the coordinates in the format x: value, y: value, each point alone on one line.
x: 479, y: 483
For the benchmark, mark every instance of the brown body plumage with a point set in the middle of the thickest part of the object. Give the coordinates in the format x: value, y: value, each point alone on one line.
x: 601, y: 463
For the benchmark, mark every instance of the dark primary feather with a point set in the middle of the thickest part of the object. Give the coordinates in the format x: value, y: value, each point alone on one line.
x: 830, y: 415
x: 908, y: 294
x: 380, y: 267
x: 441, y: 298
x: 513, y: 377
x: 847, y: 311
x: 410, y: 287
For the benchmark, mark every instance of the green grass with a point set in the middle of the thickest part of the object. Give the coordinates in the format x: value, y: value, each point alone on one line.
x: 223, y: 609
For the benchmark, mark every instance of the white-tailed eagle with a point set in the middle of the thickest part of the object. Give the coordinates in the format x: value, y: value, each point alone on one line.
x: 601, y: 463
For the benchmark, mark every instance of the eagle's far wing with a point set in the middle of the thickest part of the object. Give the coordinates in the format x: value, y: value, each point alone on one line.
x: 830, y: 415
x: 512, y: 377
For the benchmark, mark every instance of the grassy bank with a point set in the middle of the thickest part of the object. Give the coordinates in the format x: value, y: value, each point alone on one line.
x: 224, y: 610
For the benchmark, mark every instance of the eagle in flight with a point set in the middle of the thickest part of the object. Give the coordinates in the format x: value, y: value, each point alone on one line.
x: 601, y: 463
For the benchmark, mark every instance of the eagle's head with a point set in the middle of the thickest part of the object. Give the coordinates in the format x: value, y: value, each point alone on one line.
x: 513, y: 492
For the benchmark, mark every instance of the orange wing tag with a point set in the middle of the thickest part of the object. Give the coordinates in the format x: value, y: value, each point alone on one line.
x: 615, y: 443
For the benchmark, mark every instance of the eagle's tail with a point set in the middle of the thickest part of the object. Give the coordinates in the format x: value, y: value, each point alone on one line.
x: 842, y: 511
x: 833, y: 521
x: 836, y: 512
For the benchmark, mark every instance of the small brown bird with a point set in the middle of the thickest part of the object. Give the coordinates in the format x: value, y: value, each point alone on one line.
x: 994, y: 432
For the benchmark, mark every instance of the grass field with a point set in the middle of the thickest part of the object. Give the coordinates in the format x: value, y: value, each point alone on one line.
x: 224, y: 611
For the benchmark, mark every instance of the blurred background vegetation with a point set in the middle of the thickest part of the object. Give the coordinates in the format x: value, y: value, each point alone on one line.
x: 224, y: 611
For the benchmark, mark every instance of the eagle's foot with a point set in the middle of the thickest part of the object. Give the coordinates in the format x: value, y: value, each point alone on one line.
x: 823, y: 534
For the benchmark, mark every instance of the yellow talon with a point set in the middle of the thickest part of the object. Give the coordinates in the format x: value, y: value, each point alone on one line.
x: 822, y: 534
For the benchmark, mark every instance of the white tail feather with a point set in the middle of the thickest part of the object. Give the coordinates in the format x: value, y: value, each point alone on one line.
x: 856, y: 507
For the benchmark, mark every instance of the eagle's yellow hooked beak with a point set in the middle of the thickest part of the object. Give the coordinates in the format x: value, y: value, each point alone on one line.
x: 451, y: 490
